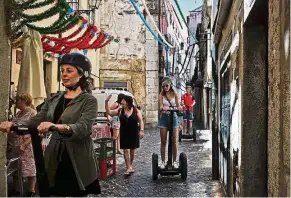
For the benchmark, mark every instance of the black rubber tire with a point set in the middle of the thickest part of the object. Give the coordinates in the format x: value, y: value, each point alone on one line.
x: 183, y: 165
x: 155, y: 166
x: 194, y: 134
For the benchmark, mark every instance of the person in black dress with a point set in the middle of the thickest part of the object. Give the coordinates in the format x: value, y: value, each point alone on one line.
x: 131, y: 129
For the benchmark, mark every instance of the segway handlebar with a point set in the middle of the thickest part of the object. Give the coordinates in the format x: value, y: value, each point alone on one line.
x: 171, y: 109
x: 24, y: 130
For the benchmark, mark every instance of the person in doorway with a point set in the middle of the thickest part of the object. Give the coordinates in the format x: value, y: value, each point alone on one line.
x: 115, y: 122
x: 24, y: 104
x: 168, y: 99
x: 188, y: 103
x: 70, y: 160
x: 131, y: 129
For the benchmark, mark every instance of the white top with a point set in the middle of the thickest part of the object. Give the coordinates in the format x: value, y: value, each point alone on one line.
x: 167, y: 104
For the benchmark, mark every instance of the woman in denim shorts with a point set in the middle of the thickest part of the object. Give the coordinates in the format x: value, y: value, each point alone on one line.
x: 115, y: 122
x: 168, y: 99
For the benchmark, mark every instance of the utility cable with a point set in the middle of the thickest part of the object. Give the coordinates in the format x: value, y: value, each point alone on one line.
x: 155, y: 25
x: 146, y: 24
x: 188, y: 60
x: 170, y: 7
x: 180, y: 11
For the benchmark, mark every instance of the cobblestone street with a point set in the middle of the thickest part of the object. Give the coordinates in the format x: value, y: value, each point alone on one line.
x: 140, y: 183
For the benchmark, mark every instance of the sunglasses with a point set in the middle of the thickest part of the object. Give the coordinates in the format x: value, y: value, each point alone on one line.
x: 166, y: 85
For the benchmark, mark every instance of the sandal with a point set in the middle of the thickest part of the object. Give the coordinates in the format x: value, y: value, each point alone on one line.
x: 127, y: 173
x: 131, y: 170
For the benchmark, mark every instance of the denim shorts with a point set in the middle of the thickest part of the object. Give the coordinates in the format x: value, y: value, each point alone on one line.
x: 186, y: 115
x: 164, y: 121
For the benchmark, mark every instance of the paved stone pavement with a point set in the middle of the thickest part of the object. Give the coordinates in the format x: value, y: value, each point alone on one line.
x: 140, y: 183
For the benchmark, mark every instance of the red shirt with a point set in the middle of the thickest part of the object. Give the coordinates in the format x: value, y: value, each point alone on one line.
x: 188, y: 101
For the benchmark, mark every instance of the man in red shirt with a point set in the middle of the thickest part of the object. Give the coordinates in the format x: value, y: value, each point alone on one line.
x: 188, y: 103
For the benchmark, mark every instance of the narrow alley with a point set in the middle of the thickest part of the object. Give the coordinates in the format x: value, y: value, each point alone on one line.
x: 141, y: 184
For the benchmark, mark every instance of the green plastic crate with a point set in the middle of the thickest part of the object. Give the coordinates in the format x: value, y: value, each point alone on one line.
x: 105, y: 148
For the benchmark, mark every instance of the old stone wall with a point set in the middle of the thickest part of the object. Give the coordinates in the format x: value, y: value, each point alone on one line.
x: 134, y: 59
x: 279, y: 99
x: 229, y: 54
x: 4, y: 94
x: 152, y: 70
x: 124, y: 61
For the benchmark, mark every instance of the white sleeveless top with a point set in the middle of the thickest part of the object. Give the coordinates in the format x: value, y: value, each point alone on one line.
x: 167, y: 104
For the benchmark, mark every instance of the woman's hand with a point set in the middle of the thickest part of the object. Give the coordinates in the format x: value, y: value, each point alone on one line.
x: 141, y: 134
x: 108, y: 98
x: 21, y: 148
x: 6, y: 126
x: 44, y: 127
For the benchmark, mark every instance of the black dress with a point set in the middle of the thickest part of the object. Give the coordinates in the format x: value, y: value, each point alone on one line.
x: 66, y: 183
x: 129, y: 130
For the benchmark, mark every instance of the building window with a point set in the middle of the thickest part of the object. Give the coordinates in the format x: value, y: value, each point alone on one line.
x: 115, y: 84
x: 74, y: 4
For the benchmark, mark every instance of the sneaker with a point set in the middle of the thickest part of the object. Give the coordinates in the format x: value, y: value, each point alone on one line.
x: 163, y: 165
x: 176, y: 164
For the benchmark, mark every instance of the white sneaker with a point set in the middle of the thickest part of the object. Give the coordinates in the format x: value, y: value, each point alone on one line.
x: 176, y: 164
x: 163, y: 165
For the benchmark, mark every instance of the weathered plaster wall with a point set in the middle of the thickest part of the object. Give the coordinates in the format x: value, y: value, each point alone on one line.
x: 125, y: 60
x: 279, y: 99
x: 134, y: 58
x: 4, y: 94
x: 229, y: 54
x: 254, y: 112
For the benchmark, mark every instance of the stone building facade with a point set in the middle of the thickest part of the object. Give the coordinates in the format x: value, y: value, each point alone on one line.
x: 251, y: 50
x: 131, y: 63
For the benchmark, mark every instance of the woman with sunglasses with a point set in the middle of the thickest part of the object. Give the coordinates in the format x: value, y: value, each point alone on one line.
x: 168, y: 99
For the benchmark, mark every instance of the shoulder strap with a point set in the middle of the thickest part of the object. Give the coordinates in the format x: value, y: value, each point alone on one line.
x: 168, y: 100
x: 60, y: 119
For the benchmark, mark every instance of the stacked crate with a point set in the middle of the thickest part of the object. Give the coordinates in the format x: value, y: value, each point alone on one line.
x: 105, y: 149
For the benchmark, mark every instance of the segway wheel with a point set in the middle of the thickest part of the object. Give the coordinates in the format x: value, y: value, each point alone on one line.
x: 194, y: 134
x: 155, y: 166
x: 183, y: 165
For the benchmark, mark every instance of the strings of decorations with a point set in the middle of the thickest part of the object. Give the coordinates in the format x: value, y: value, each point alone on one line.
x: 66, y: 21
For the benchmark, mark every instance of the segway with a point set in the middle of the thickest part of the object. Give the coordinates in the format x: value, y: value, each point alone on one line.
x: 186, y: 134
x: 169, y: 169
x: 41, y: 175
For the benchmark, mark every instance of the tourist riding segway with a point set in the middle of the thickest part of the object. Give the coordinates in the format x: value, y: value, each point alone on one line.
x: 41, y: 175
x: 169, y: 168
x: 190, y: 132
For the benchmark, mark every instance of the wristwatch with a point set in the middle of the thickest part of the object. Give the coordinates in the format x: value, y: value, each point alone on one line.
x: 67, y: 127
